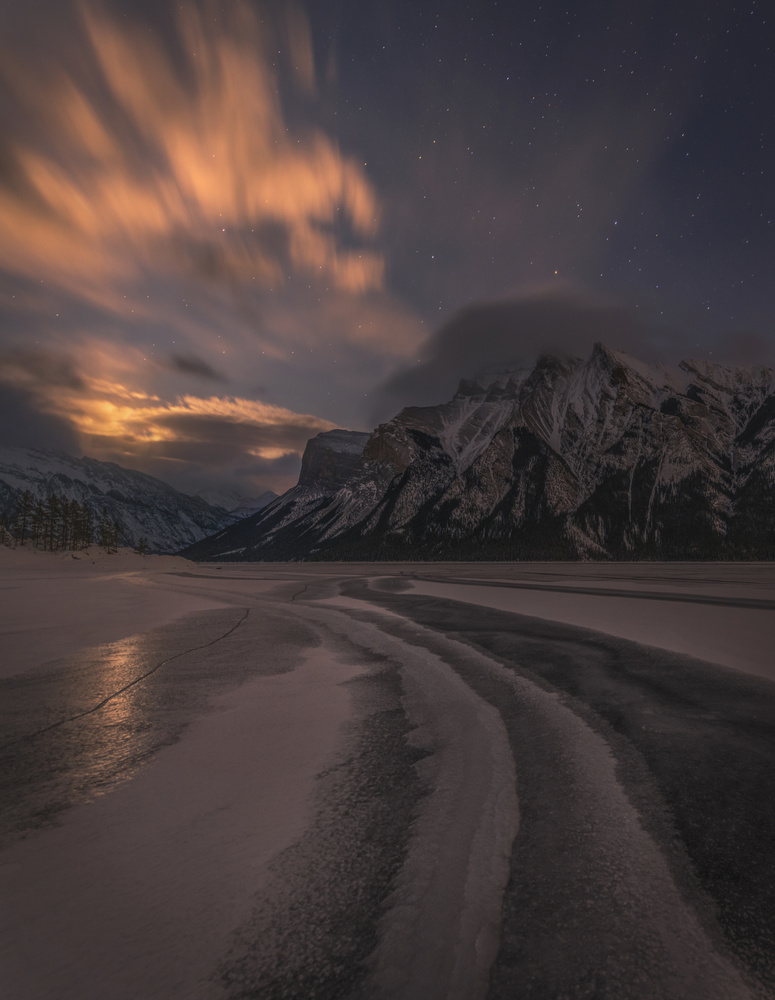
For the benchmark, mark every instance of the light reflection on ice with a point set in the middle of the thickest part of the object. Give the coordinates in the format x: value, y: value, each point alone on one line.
x: 120, y: 668
x: 85, y: 724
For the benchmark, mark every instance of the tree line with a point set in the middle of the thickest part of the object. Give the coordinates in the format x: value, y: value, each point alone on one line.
x: 58, y: 523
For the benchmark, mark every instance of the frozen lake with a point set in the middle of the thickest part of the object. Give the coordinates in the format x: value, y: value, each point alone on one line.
x: 374, y: 781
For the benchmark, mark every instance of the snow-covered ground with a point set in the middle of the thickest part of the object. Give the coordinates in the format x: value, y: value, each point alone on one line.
x: 296, y: 780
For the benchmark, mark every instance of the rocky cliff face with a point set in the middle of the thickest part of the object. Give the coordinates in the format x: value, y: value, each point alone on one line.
x: 599, y: 458
x: 331, y: 459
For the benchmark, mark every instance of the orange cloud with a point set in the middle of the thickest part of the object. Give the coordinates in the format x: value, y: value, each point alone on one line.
x: 157, y: 179
x: 167, y: 166
x: 108, y: 411
x: 113, y: 411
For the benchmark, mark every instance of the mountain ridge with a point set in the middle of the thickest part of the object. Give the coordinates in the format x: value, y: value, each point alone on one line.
x: 144, y: 507
x: 605, y: 457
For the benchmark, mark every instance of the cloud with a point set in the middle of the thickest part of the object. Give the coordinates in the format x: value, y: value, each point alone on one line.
x: 27, y: 379
x: 219, y: 442
x: 516, y: 332
x: 111, y: 410
x: 143, y: 162
x: 249, y: 476
x: 23, y: 425
x: 171, y: 225
x: 100, y: 410
x: 195, y: 440
x: 192, y: 365
x: 202, y: 439
x: 40, y: 369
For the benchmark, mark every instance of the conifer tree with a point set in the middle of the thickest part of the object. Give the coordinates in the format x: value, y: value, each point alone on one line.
x: 76, y: 524
x: 64, y: 533
x: 103, y: 535
x: 86, y: 526
x: 23, y: 517
x: 74, y: 520
x: 39, y: 525
x: 52, y: 521
x: 108, y: 531
x: 5, y: 529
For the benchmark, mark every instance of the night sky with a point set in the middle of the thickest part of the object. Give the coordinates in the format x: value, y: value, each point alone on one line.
x: 227, y: 226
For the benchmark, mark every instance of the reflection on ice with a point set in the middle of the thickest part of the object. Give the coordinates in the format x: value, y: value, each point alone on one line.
x: 121, y: 670
x: 72, y: 732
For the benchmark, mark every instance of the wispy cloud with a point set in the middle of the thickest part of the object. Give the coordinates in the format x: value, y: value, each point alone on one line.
x: 190, y: 364
x: 117, y: 421
x: 113, y: 411
x: 165, y: 225
x: 560, y: 319
x: 183, y: 165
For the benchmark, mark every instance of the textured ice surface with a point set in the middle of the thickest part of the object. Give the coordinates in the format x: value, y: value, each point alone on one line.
x: 139, y: 892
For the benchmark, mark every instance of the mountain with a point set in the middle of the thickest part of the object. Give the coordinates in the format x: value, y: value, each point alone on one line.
x: 236, y: 503
x: 329, y: 462
x: 605, y: 457
x: 251, y: 505
x: 143, y: 506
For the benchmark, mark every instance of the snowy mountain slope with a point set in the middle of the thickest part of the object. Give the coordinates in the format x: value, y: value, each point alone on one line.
x: 236, y: 503
x: 603, y: 457
x: 143, y: 506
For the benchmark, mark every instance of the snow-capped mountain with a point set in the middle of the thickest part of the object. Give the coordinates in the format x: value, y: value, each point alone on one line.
x: 600, y: 458
x: 144, y: 507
